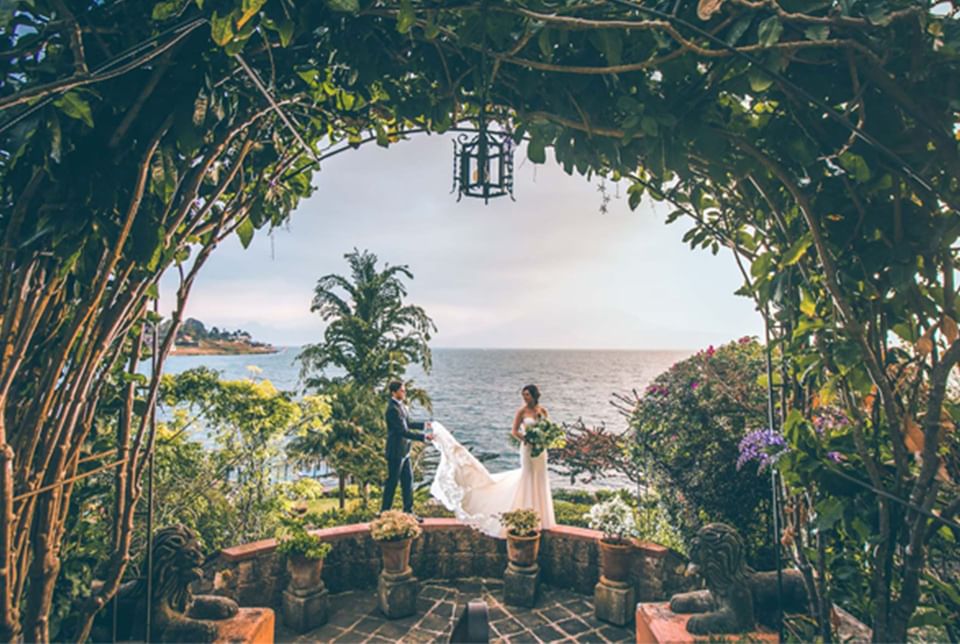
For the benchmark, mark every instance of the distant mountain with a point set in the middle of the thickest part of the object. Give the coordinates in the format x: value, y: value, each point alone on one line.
x: 194, y: 338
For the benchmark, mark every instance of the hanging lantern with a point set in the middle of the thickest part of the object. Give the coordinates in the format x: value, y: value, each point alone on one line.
x: 483, y: 164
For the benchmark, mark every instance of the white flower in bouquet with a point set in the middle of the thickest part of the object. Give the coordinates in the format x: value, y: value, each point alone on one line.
x: 614, y: 518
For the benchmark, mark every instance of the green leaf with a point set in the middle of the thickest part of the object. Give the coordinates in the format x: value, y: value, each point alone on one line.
x: 808, y: 306
x: 536, y: 151
x: 817, y: 32
x: 348, y: 6
x: 928, y: 618
x: 75, y: 107
x: 829, y: 511
x: 406, y: 17
x: 760, y: 80
x: 649, y: 125
x: 797, y: 250
x: 738, y: 28
x: 612, y: 44
x: 769, y: 31
x: 761, y: 265
x: 165, y: 10
x: 221, y: 28
x: 310, y: 76
x: 431, y: 30
x: 855, y: 165
x: 546, y: 47
x: 285, y: 29
x: 245, y: 232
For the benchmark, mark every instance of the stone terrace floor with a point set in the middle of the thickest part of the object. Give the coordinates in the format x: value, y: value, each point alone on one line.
x: 560, y: 615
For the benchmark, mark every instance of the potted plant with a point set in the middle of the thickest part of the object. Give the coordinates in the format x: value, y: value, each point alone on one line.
x: 615, y: 519
x: 523, y: 536
x: 395, y: 531
x: 304, y: 551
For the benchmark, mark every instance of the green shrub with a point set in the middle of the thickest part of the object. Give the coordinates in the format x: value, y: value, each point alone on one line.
x: 521, y: 523
x: 570, y: 512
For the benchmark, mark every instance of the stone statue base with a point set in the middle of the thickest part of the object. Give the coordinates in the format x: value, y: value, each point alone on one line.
x: 520, y: 584
x: 249, y: 626
x: 397, y: 593
x: 613, y: 601
x: 304, y: 612
x: 657, y: 624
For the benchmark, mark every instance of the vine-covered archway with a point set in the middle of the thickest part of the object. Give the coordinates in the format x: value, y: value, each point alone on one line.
x: 816, y: 140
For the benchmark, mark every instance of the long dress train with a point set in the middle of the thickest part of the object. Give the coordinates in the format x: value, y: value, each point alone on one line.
x: 477, y: 497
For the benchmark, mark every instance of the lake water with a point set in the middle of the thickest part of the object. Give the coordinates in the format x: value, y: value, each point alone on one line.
x: 476, y: 392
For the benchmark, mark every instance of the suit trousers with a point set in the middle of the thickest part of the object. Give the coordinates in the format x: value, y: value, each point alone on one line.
x: 398, y: 470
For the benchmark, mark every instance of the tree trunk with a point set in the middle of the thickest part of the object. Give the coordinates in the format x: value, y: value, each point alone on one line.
x: 343, y: 491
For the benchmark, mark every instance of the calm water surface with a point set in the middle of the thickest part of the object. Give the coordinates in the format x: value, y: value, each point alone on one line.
x: 476, y: 392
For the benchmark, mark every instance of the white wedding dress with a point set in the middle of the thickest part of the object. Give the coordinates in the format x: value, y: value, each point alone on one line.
x: 477, y: 497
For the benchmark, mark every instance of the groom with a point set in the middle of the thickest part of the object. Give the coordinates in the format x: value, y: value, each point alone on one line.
x: 398, y: 448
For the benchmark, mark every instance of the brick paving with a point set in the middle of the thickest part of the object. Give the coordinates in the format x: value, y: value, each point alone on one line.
x: 560, y: 615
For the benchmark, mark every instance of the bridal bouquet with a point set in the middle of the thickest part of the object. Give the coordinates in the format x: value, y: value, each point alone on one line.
x: 544, y: 434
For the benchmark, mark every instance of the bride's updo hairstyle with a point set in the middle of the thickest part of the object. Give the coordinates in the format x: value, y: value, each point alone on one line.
x: 534, y: 392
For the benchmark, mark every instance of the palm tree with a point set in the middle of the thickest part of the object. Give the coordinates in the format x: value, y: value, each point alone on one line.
x: 372, y: 335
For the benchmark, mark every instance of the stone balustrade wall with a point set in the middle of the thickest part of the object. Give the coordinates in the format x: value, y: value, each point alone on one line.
x: 255, y: 575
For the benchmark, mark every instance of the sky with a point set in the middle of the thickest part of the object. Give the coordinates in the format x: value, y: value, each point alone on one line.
x: 548, y: 270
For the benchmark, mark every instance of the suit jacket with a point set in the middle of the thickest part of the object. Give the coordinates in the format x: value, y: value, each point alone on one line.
x: 398, y: 431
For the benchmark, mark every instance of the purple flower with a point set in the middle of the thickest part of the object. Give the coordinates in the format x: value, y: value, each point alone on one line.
x: 836, y: 457
x: 745, y: 340
x: 694, y: 384
x: 763, y: 445
x: 829, y: 419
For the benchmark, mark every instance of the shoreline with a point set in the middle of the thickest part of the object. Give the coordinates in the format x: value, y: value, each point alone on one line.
x: 223, y: 351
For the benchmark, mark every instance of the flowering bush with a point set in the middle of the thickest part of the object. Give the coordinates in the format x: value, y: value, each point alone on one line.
x: 590, y: 453
x: 688, y: 427
x: 521, y: 523
x: 614, y: 518
x: 394, y: 525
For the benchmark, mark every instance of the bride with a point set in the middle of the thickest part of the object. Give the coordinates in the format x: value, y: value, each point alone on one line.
x: 477, y: 497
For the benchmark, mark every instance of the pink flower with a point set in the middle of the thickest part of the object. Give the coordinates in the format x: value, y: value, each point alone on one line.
x: 710, y: 351
x: 745, y: 339
x: 694, y: 385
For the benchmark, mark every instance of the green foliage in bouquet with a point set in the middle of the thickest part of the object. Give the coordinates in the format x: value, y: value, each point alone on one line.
x: 521, y: 523
x: 394, y: 525
x: 544, y: 434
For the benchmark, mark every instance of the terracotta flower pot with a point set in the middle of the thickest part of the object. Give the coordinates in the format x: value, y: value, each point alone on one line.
x: 396, y: 555
x: 615, y: 559
x: 305, y: 574
x: 523, y: 551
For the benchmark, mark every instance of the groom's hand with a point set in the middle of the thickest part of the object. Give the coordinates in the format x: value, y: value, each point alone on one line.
x: 429, y: 437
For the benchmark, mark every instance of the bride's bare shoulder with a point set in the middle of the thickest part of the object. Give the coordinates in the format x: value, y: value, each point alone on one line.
x: 542, y: 411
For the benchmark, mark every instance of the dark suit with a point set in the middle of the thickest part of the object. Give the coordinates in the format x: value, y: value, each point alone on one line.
x: 398, y: 455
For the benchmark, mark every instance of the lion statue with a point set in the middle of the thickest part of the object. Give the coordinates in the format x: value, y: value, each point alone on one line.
x: 736, y: 596
x: 177, y: 614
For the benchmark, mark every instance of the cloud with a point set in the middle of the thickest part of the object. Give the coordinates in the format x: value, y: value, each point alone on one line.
x: 548, y: 270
